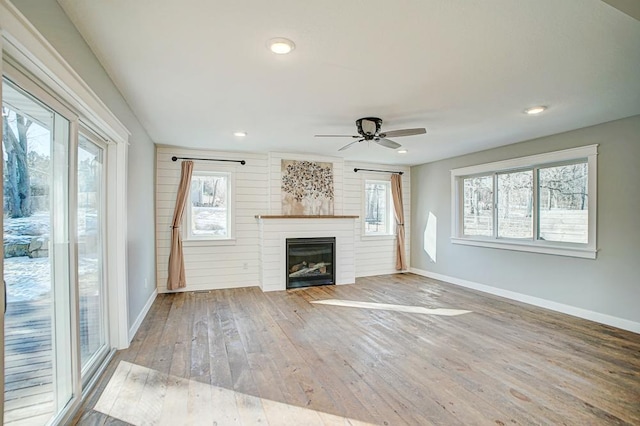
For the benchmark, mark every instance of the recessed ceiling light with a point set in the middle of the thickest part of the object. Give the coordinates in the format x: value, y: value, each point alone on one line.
x: 240, y: 134
x: 402, y: 151
x: 535, y: 110
x: 281, y: 46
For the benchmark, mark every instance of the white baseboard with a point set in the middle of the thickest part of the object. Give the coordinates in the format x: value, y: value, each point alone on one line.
x: 205, y: 287
x: 536, y: 301
x: 145, y: 310
x: 383, y: 272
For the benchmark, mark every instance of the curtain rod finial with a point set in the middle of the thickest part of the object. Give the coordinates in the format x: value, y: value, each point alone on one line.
x: 243, y: 162
x: 174, y: 158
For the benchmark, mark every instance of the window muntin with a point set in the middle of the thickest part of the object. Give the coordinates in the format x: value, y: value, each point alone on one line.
x: 543, y: 203
x: 378, y: 217
x: 209, y: 207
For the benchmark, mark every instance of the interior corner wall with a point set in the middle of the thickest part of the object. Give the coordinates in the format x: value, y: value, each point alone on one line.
x: 375, y: 255
x: 51, y: 21
x: 213, y: 265
x: 608, y: 285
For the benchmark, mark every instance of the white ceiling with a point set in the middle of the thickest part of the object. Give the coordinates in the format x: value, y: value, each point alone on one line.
x: 195, y: 71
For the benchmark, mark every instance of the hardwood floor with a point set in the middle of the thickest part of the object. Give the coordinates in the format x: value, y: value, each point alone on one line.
x: 28, y: 374
x: 504, y: 363
x: 28, y: 358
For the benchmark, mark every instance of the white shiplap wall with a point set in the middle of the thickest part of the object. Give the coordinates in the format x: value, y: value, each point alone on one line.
x: 374, y: 255
x: 211, y: 265
x: 257, y: 191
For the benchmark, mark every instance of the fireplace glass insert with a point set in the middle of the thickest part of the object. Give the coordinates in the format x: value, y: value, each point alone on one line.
x: 310, y: 261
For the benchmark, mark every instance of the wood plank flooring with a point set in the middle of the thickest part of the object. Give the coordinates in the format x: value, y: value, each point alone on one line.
x: 503, y: 363
x: 28, y: 395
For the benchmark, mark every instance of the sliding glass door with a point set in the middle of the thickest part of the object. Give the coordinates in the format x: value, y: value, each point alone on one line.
x: 38, y: 374
x: 55, y: 328
x: 90, y: 236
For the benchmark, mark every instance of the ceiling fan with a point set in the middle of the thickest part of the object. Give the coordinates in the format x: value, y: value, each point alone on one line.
x: 369, y: 130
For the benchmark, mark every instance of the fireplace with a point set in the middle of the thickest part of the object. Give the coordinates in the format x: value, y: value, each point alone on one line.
x: 310, y: 261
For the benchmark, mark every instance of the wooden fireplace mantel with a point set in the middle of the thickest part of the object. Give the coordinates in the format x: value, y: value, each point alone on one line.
x: 269, y: 216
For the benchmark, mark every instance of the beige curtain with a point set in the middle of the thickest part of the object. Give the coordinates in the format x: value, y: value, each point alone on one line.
x: 177, y: 278
x: 398, y: 208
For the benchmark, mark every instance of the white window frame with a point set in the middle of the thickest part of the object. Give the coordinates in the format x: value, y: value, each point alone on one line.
x: 567, y: 156
x: 390, y: 229
x: 188, y: 236
x: 88, y: 373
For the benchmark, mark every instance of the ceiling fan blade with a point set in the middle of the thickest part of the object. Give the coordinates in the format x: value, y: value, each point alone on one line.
x: 336, y: 136
x: 349, y: 144
x: 403, y: 132
x: 387, y: 143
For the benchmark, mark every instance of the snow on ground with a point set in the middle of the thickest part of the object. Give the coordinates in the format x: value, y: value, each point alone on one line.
x: 30, y: 279
x: 27, y: 279
x: 34, y: 225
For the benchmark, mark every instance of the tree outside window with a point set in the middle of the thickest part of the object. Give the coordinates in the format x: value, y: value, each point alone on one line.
x: 377, y: 217
x: 208, y: 210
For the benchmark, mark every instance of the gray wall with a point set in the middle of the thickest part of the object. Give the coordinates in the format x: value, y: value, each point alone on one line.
x: 608, y: 285
x: 51, y: 21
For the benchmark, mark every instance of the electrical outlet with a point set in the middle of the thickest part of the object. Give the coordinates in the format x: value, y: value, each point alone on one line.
x: 146, y: 282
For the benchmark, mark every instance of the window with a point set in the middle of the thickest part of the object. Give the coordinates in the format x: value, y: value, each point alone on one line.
x: 564, y: 201
x: 378, y: 217
x: 209, y: 208
x: 543, y: 203
x: 478, y: 205
x: 515, y: 198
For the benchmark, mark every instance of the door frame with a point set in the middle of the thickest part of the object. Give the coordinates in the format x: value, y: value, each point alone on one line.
x: 102, y: 145
x: 69, y: 373
x: 3, y: 294
x: 35, y: 58
x: 34, y: 55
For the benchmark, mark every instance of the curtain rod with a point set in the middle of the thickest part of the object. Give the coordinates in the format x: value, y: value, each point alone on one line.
x: 174, y: 158
x: 380, y: 171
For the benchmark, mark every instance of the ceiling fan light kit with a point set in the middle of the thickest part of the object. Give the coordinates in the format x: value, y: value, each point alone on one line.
x: 369, y: 130
x: 369, y: 126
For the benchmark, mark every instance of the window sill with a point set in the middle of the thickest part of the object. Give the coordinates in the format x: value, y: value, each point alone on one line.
x: 558, y: 250
x: 207, y: 243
